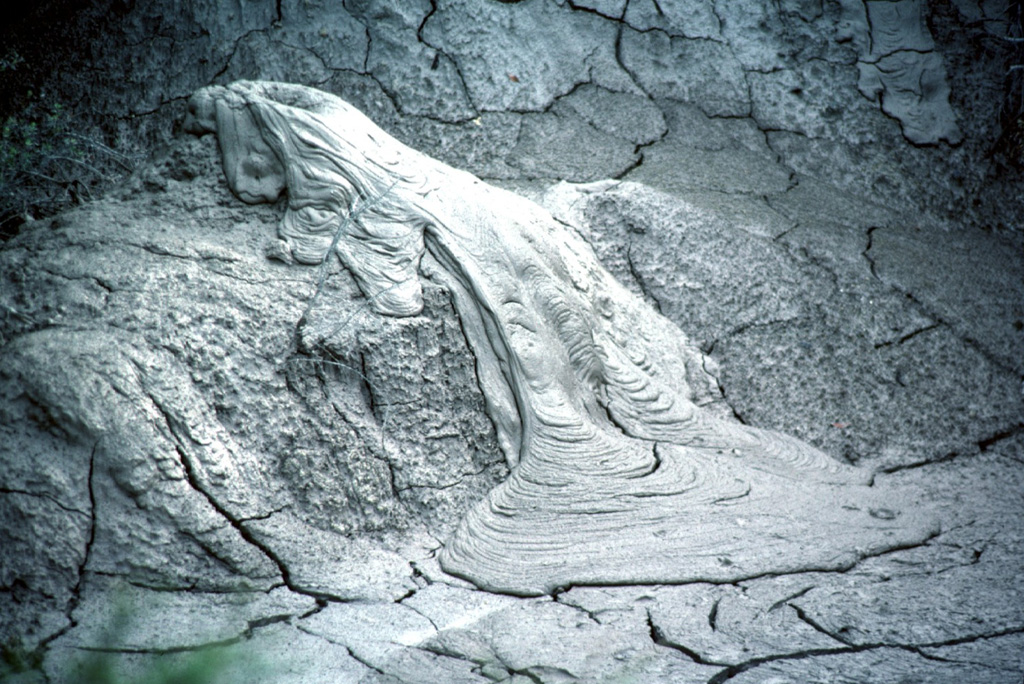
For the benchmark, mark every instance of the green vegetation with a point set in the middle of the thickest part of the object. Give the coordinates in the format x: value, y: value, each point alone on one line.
x: 204, y: 666
x: 15, y: 659
x: 1011, y: 141
x: 11, y: 61
x: 111, y: 662
x: 47, y: 162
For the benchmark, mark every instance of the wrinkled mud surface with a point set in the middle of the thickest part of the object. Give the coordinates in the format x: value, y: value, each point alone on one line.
x: 810, y: 252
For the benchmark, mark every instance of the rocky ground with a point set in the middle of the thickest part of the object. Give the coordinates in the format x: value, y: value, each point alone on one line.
x: 830, y: 232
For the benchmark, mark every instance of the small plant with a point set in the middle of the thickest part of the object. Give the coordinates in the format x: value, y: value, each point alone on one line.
x: 47, y: 162
x: 1011, y: 115
x: 11, y: 61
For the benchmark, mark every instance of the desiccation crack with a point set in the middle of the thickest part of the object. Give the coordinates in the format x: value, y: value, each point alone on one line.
x: 237, y: 524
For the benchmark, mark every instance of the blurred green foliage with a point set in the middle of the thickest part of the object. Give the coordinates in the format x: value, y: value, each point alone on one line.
x: 110, y: 661
x: 204, y: 666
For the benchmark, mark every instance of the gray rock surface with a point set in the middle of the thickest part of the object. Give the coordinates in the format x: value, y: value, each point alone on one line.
x: 872, y: 354
x: 837, y: 89
x: 622, y: 468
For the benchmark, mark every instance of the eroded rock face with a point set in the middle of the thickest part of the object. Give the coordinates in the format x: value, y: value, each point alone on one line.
x: 900, y: 68
x: 370, y: 438
x: 623, y: 468
x: 142, y: 376
x: 868, y: 96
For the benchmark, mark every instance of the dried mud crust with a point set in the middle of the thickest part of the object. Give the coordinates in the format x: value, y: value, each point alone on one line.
x: 178, y: 219
x: 888, y: 373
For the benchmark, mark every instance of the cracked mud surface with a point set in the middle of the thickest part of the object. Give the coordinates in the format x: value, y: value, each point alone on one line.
x: 850, y: 292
